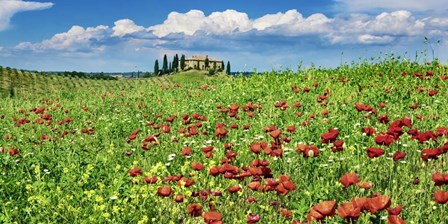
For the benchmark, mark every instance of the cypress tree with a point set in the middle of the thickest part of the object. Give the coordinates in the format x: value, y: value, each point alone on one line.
x: 228, y: 68
x: 165, y: 65
x: 182, y: 62
x: 156, y: 68
x: 175, y: 63
x: 206, y: 62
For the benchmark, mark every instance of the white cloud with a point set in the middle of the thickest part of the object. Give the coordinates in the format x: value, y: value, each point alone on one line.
x: 293, y: 23
x: 371, y: 39
x: 126, y: 26
x: 77, y: 39
x: 395, y: 23
x: 411, y: 5
x: 226, y: 22
x: 8, y: 8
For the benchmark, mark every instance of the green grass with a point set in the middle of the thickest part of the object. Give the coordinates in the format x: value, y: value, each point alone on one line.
x: 82, y: 177
x: 190, y: 76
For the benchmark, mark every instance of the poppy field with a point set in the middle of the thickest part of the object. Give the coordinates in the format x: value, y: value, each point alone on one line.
x: 361, y: 143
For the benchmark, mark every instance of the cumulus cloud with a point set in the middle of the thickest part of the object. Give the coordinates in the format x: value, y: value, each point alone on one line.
x: 126, y: 26
x: 77, y: 39
x: 411, y: 5
x: 8, y: 8
x: 226, y: 22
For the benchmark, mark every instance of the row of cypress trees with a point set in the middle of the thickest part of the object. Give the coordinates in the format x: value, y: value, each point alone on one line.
x: 177, y: 64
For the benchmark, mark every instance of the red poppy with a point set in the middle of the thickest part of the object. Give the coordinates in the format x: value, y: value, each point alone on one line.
x: 251, y: 200
x: 221, y: 132
x: 337, y: 146
x: 395, y: 211
x: 135, y: 172
x: 164, y: 191
x: 13, y: 152
x: 383, y: 119
x: 360, y: 202
x: 179, y: 198
x: 150, y: 180
x: 285, y: 213
x: 382, y: 105
x: 432, y: 92
x: 214, y: 171
x: 233, y: 189
x: 414, y: 106
x: 329, y: 136
x: 384, y: 139
x: 439, y: 179
x: 395, y: 219
x: 255, y: 147
x: 197, y: 166
x: 185, y: 182
x: 369, y: 131
x: 321, y: 210
x: 291, y: 128
x: 349, y: 211
x: 373, y: 152
x: 254, y: 185
x: 430, y: 154
x: 207, y: 149
x: 194, y: 209
x: 441, y: 197
x: 186, y: 151
x: 349, y: 179
x: 308, y: 151
x: 364, y: 184
x: 212, y: 217
x: 399, y: 155
x: 378, y: 203
x: 253, y: 218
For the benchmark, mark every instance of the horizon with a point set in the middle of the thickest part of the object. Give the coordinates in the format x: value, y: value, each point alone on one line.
x: 101, y: 36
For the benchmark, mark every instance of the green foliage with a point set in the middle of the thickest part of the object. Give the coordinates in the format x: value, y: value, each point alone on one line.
x: 156, y: 68
x: 182, y: 62
x: 211, y: 71
x: 83, y: 176
x: 165, y: 65
x: 207, y: 62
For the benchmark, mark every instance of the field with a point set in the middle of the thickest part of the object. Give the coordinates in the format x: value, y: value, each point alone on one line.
x: 362, y: 143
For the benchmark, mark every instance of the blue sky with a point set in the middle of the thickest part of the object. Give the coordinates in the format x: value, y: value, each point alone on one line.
x: 104, y: 35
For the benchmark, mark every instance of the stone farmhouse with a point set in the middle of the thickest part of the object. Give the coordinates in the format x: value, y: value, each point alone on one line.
x: 198, y: 62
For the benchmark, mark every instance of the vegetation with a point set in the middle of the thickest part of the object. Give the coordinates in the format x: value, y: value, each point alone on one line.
x: 182, y: 62
x: 156, y: 68
x: 165, y: 65
x: 362, y: 143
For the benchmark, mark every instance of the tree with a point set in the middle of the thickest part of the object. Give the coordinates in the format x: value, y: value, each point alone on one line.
x: 228, y: 68
x: 165, y: 65
x: 222, y: 65
x: 156, y: 68
x: 170, y: 67
x: 206, y: 62
x: 182, y: 62
x: 146, y: 75
x: 175, y: 63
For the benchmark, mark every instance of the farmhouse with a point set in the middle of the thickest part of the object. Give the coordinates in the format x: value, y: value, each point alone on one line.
x: 198, y: 62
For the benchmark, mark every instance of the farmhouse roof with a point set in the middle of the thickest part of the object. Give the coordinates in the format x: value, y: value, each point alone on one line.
x: 202, y: 58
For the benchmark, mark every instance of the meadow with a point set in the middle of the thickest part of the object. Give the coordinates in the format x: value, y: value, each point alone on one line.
x: 362, y: 143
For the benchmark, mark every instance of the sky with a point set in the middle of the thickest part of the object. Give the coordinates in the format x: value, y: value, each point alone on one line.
x: 123, y: 35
